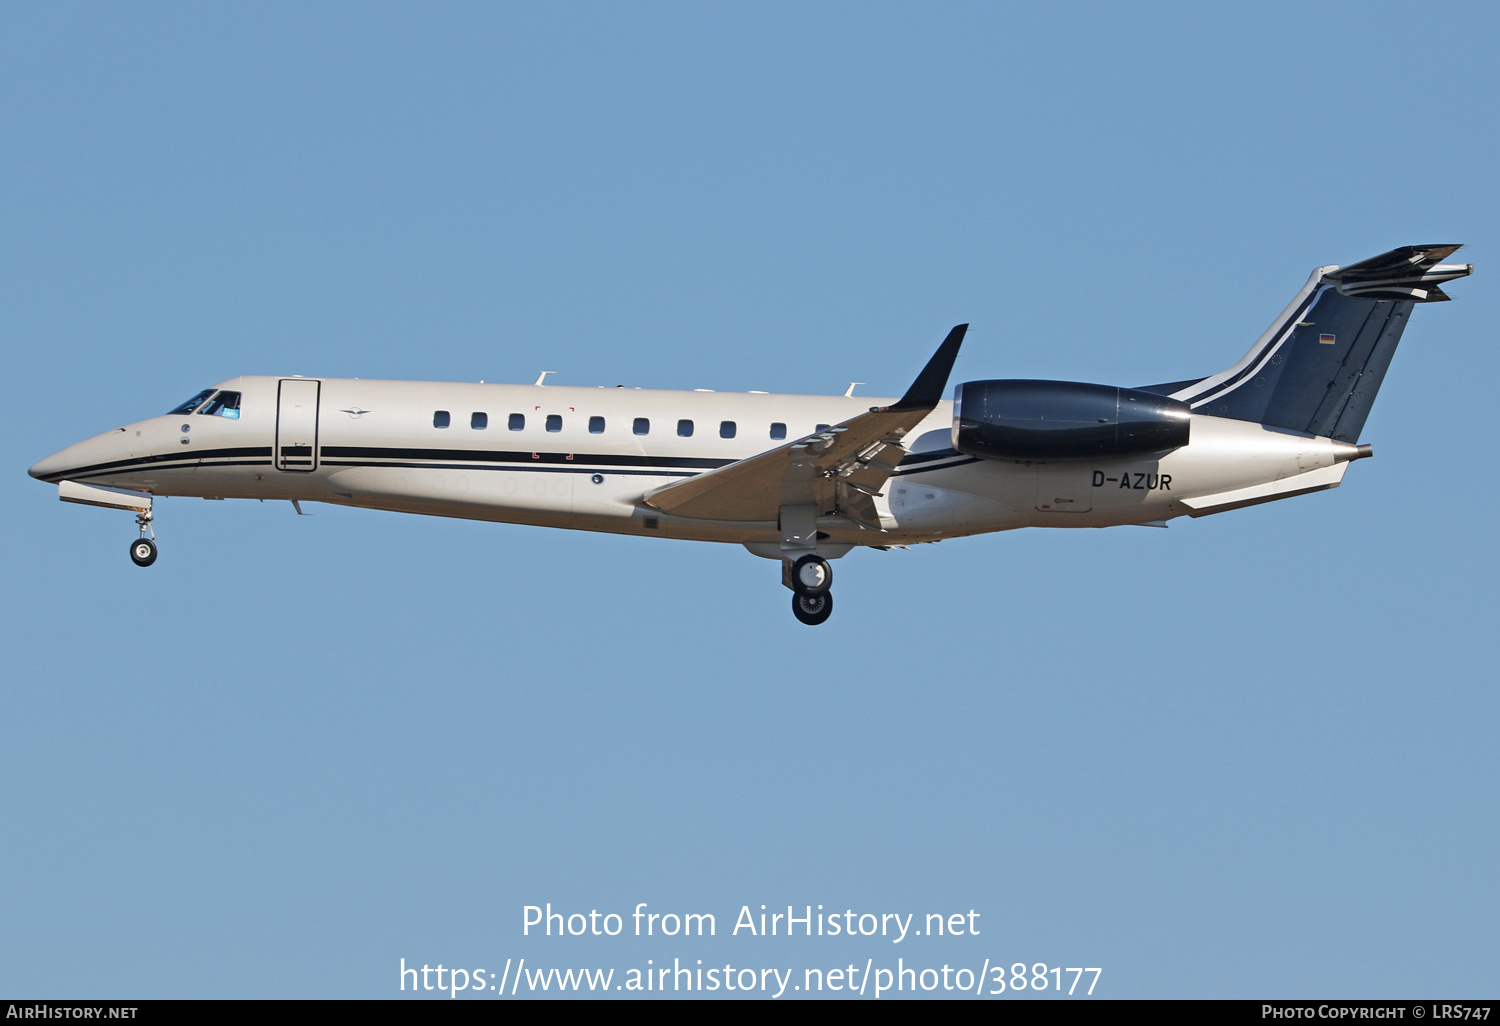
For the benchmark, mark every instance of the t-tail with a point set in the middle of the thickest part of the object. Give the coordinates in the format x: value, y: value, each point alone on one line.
x: 1318, y: 367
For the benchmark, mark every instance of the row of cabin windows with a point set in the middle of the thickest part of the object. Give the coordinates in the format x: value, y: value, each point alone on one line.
x: 639, y: 426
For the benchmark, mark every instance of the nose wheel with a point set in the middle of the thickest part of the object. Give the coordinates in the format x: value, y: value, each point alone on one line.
x: 810, y: 579
x: 143, y: 552
x: 143, y: 549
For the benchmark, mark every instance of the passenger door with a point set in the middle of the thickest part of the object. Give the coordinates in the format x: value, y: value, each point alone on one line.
x: 297, y: 425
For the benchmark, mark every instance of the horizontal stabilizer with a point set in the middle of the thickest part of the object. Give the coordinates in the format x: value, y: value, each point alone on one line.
x: 1409, y: 274
x: 1299, y: 484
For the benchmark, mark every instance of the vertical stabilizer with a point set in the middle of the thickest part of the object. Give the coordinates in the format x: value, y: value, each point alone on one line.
x: 1318, y: 367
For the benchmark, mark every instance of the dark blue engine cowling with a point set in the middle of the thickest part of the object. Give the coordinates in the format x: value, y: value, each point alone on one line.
x: 1064, y: 420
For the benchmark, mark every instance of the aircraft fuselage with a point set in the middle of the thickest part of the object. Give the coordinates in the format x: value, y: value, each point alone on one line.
x: 583, y: 458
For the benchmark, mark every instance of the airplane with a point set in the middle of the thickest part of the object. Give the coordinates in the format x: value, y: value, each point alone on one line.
x: 802, y: 479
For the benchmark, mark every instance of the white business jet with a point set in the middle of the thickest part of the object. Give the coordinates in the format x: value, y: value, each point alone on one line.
x: 798, y: 478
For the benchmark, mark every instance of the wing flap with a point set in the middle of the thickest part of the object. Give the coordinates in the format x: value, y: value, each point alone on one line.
x: 862, y: 452
x: 839, y: 469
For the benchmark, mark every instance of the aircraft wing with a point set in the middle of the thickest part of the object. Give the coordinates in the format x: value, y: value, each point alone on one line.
x: 839, y: 469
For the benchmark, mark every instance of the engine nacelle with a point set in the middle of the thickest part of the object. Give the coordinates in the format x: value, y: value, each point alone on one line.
x: 1064, y: 420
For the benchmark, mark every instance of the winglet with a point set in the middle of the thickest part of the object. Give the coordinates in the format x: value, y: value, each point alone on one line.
x: 927, y: 390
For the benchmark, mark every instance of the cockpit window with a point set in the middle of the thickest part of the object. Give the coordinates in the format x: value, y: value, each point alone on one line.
x: 192, y: 404
x: 225, y: 404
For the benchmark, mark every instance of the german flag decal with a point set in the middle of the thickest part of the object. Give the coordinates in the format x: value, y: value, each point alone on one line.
x: 1326, y: 340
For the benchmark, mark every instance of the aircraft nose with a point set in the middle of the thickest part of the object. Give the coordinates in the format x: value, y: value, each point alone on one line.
x: 54, y: 464
x: 90, y: 451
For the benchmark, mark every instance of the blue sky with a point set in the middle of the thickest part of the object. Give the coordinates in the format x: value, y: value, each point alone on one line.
x: 1250, y: 755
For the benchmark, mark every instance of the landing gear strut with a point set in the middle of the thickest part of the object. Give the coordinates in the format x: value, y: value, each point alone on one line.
x: 143, y: 549
x: 802, y: 569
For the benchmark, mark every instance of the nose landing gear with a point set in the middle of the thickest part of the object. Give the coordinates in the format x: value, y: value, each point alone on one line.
x: 143, y: 549
x: 143, y: 552
x: 810, y: 579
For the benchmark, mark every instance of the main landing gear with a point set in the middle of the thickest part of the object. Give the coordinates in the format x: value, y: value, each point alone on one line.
x: 143, y: 549
x: 810, y: 579
x: 812, y: 609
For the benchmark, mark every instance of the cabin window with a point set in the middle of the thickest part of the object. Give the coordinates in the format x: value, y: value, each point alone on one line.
x: 726, y: 429
x: 192, y: 404
x: 596, y: 425
x: 642, y: 426
x: 479, y: 421
x: 778, y: 431
x: 554, y: 422
x: 225, y: 404
x: 440, y: 418
x: 685, y: 428
x: 518, y: 422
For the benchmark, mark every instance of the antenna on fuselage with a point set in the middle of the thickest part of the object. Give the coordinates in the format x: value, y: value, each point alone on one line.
x: 540, y: 377
x: 849, y: 393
